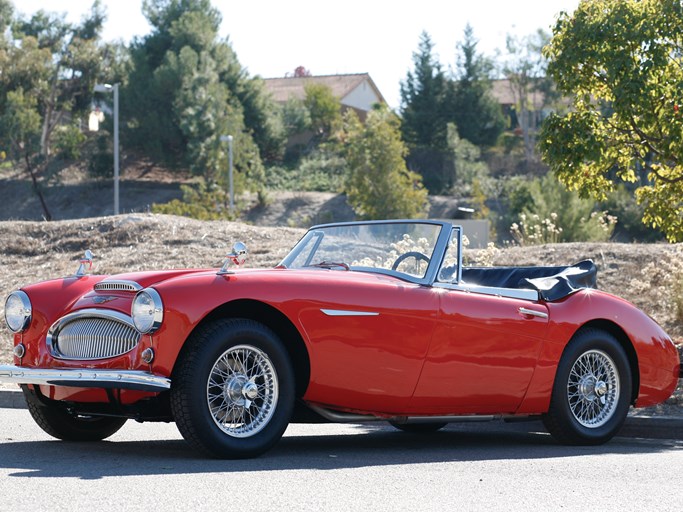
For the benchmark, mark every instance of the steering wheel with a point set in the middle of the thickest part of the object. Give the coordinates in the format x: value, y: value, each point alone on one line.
x: 411, y: 254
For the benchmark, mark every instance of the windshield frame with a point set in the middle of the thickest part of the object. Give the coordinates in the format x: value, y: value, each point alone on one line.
x: 429, y: 277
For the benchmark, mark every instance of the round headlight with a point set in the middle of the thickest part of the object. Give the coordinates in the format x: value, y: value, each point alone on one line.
x: 147, y: 311
x: 18, y: 311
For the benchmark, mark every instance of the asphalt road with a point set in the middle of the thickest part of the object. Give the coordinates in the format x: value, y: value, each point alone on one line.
x: 337, y: 467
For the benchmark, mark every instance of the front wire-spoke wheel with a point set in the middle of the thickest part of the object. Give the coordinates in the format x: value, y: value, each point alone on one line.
x: 592, y: 390
x: 233, y: 389
x: 242, y: 391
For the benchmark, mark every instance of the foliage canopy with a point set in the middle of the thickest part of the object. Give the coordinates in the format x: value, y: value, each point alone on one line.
x: 621, y: 60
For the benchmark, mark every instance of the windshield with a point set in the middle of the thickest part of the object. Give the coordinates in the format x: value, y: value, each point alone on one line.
x: 392, y: 247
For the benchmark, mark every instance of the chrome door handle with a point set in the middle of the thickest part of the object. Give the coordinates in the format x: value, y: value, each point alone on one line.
x: 531, y: 312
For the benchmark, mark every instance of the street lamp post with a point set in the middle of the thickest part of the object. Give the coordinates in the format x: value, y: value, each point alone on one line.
x: 228, y: 139
x: 115, y: 89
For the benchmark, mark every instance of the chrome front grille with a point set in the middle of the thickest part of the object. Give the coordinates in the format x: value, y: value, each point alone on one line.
x: 92, y: 334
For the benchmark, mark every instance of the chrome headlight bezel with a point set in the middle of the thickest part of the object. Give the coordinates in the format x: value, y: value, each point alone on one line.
x: 18, y: 311
x: 147, y: 311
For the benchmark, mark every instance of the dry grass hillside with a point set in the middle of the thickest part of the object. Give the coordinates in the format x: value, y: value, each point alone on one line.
x: 33, y: 251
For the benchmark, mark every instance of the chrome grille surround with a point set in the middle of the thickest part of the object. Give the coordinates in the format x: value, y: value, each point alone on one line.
x: 117, y: 286
x: 92, y: 334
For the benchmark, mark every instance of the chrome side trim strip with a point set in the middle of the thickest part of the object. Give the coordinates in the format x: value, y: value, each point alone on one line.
x: 86, y: 378
x: 344, y: 312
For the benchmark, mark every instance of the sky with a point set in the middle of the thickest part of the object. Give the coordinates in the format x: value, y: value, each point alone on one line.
x: 273, y: 37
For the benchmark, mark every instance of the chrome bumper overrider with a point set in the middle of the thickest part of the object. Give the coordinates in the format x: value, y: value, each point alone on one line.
x: 87, y: 378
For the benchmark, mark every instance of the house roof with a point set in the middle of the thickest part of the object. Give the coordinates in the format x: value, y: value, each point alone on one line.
x: 284, y: 88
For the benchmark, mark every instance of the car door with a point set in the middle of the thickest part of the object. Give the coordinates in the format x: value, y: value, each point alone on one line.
x: 482, y: 355
x: 368, y: 340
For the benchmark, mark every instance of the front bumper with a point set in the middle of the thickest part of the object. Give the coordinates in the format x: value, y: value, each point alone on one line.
x: 86, y: 378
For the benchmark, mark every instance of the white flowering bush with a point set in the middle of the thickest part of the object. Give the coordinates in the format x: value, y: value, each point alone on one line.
x: 534, y: 230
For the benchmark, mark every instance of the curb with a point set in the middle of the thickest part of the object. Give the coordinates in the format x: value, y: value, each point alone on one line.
x: 652, y: 427
x: 648, y: 427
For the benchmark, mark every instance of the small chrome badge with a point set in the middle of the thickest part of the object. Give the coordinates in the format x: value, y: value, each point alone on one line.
x: 101, y: 299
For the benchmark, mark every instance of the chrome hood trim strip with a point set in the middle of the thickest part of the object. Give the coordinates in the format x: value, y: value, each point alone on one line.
x: 85, y: 378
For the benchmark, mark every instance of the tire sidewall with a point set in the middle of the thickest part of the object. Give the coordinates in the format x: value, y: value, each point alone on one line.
x: 585, y: 342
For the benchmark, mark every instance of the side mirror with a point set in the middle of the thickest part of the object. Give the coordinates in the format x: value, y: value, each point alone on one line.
x: 237, y: 257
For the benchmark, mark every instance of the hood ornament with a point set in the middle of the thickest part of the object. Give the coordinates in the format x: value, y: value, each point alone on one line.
x: 237, y: 257
x: 86, y: 260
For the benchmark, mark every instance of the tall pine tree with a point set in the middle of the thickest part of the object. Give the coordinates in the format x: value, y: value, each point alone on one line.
x: 469, y: 103
x: 422, y: 95
x: 187, y: 89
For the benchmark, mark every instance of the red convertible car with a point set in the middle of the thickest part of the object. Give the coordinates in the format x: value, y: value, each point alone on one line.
x: 361, y: 321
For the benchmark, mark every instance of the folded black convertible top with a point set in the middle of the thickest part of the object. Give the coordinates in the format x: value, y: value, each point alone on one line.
x: 552, y: 283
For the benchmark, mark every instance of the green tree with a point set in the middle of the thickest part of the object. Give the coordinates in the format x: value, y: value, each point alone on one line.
x: 64, y: 83
x: 379, y: 185
x: 187, y: 88
x: 295, y: 116
x: 621, y: 61
x: 470, y: 170
x: 422, y: 96
x: 469, y: 102
x: 20, y: 130
x: 323, y: 108
x: 48, y: 68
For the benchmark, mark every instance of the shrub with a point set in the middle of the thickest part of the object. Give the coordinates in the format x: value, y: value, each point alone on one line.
x: 101, y: 163
x: 68, y: 142
x: 546, y: 212
x: 321, y: 171
x: 198, y: 202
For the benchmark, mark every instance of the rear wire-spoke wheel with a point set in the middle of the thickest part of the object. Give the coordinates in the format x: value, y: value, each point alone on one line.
x: 592, y: 390
x: 233, y: 389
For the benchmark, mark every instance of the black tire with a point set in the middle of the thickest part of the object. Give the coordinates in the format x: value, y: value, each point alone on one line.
x: 592, y: 390
x: 60, y: 424
x: 232, y: 394
x: 419, y: 428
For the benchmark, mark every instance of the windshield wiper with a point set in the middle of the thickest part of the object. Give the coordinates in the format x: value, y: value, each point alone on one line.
x: 330, y: 265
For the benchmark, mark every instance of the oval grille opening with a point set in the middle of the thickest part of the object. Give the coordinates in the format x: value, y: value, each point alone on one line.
x: 94, y: 338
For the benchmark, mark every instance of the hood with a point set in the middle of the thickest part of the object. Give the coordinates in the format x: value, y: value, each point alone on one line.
x: 146, y: 279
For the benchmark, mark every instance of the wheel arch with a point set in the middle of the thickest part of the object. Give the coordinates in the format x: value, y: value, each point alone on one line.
x: 625, y: 342
x: 275, y: 320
